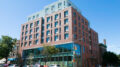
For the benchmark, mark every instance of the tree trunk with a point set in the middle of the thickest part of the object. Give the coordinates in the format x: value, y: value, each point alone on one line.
x: 6, y: 60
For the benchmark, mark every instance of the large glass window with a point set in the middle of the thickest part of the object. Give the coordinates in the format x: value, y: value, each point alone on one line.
x: 66, y: 21
x: 53, y: 8
x: 30, y: 37
x: 66, y: 36
x: 48, y: 26
x: 25, y: 37
x: 83, y: 49
x: 27, y: 26
x: 31, y: 25
x: 59, y: 5
x: 66, y: 28
x: 37, y: 35
x: 48, y: 39
x: 36, y: 41
x: 37, y: 29
x: 56, y: 38
x: 25, y: 44
x: 48, y: 19
x: 56, y: 16
x: 56, y: 30
x: 37, y: 23
x: 56, y: 23
x: 22, y: 27
x: 31, y: 31
x: 65, y: 13
x: 30, y: 43
x: 26, y: 32
x: 74, y: 21
x: 48, y: 32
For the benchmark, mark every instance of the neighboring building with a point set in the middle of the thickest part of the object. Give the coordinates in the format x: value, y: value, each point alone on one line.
x: 102, y: 50
x: 13, y: 55
x: 94, y: 49
x: 60, y: 24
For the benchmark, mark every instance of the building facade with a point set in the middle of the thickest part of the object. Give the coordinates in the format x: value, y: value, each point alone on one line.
x: 60, y: 24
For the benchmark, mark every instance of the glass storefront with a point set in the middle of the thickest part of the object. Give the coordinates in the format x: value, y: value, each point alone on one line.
x: 64, y: 57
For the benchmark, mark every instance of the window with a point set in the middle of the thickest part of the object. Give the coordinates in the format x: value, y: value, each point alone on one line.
x: 83, y: 27
x: 48, y: 19
x: 59, y: 5
x: 31, y: 31
x: 74, y: 14
x: 66, y: 36
x: 66, y: 21
x: 23, y: 28
x: 56, y: 31
x: 26, y: 32
x: 37, y: 29
x: 56, y: 23
x: 25, y: 37
x: 83, y: 49
x: 36, y: 41
x: 48, y: 26
x: 48, y: 32
x: 31, y: 25
x: 82, y: 20
x: 30, y: 37
x: 29, y: 18
x: 27, y: 26
x: 46, y: 10
x: 75, y: 36
x: 30, y: 43
x: 37, y: 23
x: 21, y: 44
x: 65, y: 13
x: 60, y: 23
x: 33, y: 17
x: 56, y: 16
x: 56, y: 38
x: 48, y: 39
x: 53, y: 8
x: 37, y: 35
x: 25, y: 44
x: 37, y: 15
x: 66, y: 29
x: 74, y: 21
x: 42, y: 40
x: 75, y: 29
x: 79, y: 24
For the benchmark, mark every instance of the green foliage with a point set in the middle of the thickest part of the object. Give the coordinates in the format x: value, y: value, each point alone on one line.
x: 110, y: 58
x: 48, y: 51
x: 30, y: 59
x: 103, y: 45
x: 6, y: 45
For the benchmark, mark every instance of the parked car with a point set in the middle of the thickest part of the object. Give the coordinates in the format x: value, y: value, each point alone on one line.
x: 54, y: 65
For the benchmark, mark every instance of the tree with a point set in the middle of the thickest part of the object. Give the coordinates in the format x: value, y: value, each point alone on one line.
x: 30, y: 59
x: 109, y: 58
x: 48, y: 51
x: 6, y: 45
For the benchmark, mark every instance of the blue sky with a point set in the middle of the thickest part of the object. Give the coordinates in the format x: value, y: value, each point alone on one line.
x: 103, y: 15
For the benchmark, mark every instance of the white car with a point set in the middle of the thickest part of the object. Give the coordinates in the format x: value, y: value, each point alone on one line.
x: 54, y: 65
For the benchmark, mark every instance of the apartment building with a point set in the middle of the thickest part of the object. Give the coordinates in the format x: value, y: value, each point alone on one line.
x: 60, y: 24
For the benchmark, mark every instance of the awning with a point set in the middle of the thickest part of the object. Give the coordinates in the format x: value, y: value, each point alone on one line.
x: 11, y: 59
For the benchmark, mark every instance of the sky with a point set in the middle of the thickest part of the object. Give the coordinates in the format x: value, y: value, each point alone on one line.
x: 103, y: 15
